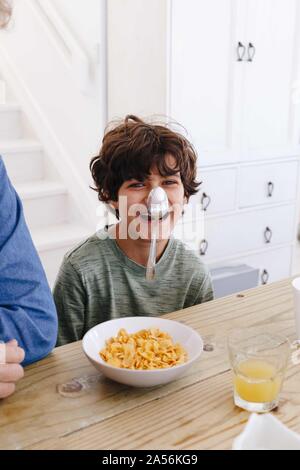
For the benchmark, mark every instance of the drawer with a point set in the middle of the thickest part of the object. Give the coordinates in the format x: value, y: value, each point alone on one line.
x: 216, y: 193
x: 265, y: 184
x: 273, y: 265
x: 255, y: 230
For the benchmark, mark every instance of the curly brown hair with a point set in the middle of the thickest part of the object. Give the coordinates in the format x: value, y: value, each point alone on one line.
x: 132, y: 147
x: 5, y: 12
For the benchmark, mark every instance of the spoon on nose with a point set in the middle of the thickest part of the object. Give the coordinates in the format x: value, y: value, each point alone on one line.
x: 157, y: 210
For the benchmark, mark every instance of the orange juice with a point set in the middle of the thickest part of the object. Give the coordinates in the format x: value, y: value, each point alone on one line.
x: 257, y: 381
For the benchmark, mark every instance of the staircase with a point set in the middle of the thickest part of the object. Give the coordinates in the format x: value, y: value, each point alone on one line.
x: 50, y: 212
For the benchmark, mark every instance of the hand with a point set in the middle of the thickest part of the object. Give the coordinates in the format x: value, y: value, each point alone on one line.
x: 11, y: 371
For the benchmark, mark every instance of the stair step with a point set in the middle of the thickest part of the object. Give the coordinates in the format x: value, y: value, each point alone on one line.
x: 4, y: 107
x: 59, y: 236
x: 40, y: 189
x: 23, y: 159
x: 54, y: 242
x: 19, y: 145
x: 45, y: 203
x: 10, y: 122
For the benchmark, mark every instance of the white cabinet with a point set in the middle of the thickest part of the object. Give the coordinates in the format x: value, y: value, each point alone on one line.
x: 205, y: 76
x: 273, y: 265
x: 267, y: 103
x: 268, y: 184
x: 217, y: 193
x: 232, y: 69
x: 226, y: 70
x: 248, y: 231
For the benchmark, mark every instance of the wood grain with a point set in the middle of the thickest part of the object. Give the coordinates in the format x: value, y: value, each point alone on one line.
x: 194, y: 412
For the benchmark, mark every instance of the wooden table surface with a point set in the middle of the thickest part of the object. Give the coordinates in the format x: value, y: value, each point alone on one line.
x: 64, y: 403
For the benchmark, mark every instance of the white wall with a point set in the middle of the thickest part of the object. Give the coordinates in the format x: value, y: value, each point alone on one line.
x: 137, y: 39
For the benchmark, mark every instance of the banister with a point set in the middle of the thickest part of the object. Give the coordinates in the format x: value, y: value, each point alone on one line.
x: 73, y: 51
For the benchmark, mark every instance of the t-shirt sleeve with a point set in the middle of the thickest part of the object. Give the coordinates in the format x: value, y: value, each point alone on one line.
x: 70, y: 299
x: 205, y: 291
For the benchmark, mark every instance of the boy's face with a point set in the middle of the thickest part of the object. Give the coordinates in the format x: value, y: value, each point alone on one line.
x: 132, y: 200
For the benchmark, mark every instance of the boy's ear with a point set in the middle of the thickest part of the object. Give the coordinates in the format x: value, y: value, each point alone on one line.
x: 114, y: 205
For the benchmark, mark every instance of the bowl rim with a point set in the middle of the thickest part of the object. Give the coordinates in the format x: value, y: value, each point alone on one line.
x: 137, y: 371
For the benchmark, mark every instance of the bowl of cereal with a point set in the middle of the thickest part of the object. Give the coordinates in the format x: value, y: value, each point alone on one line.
x: 142, y: 351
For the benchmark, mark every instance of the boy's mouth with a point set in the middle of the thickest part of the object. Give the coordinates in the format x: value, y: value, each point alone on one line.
x: 150, y: 219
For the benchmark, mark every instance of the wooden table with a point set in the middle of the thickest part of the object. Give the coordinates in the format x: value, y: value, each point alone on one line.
x: 63, y: 403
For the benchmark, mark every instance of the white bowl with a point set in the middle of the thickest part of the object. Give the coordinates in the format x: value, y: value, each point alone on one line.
x: 94, y: 341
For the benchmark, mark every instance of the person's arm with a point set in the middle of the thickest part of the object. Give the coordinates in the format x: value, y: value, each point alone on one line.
x: 27, y: 310
x: 70, y: 298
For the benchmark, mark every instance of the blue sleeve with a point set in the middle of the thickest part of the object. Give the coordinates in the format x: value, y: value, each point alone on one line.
x: 27, y: 310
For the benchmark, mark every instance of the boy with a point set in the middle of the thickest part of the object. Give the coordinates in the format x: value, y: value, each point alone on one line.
x: 105, y: 277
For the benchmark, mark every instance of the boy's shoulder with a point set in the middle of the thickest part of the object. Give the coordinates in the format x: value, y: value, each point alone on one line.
x: 87, y: 250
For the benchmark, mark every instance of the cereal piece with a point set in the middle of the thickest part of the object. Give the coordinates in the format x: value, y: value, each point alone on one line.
x: 144, y: 350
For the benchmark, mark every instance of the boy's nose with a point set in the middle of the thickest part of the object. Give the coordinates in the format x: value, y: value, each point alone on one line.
x: 158, y: 201
x: 152, y: 186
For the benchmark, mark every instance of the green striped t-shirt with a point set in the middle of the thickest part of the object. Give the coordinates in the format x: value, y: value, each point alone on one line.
x: 98, y: 282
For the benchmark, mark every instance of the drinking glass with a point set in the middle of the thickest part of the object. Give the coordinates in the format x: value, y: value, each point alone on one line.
x: 258, y: 360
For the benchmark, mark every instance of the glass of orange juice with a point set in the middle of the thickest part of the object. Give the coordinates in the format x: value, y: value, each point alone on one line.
x: 258, y: 360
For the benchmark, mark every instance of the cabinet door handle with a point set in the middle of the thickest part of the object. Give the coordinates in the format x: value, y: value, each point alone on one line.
x: 270, y: 189
x: 251, y: 52
x: 268, y: 235
x: 205, y: 201
x: 264, y: 277
x: 241, y: 49
x: 203, y: 247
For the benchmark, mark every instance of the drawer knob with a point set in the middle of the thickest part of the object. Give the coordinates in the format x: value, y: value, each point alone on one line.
x: 251, y: 52
x: 203, y: 247
x: 270, y: 189
x: 264, y: 277
x: 268, y: 235
x: 205, y: 201
x: 241, y: 49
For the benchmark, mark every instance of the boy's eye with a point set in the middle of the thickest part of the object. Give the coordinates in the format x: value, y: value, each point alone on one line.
x: 141, y: 184
x: 169, y: 182
x: 136, y: 185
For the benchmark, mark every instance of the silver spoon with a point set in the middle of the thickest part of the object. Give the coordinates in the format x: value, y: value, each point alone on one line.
x: 158, y: 209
